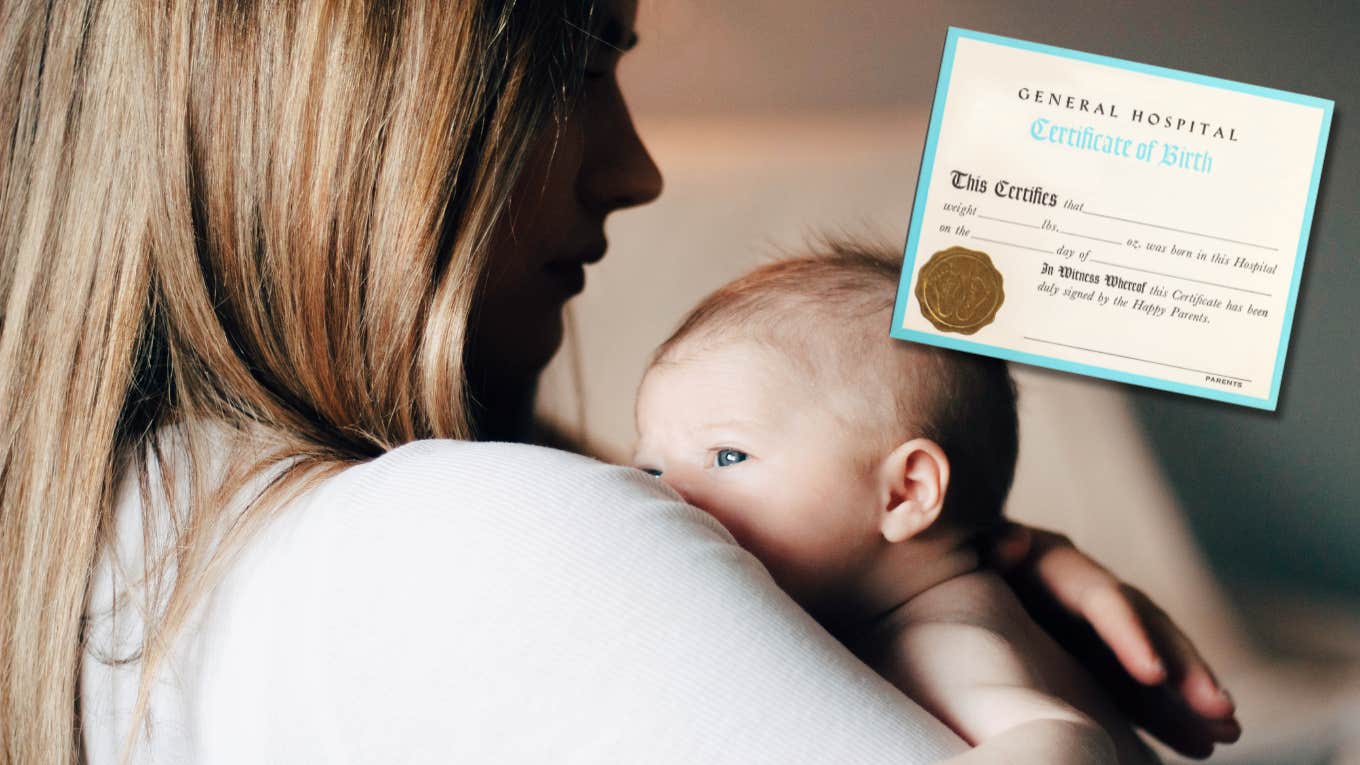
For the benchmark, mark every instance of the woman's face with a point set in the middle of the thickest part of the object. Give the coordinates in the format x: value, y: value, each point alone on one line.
x: 554, y: 225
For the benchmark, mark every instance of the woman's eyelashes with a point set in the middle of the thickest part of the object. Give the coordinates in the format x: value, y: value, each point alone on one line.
x: 725, y: 457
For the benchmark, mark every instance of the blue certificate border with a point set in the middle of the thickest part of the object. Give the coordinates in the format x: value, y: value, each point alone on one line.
x: 928, y: 166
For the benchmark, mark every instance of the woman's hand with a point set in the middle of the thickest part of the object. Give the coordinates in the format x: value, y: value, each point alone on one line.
x: 1129, y: 644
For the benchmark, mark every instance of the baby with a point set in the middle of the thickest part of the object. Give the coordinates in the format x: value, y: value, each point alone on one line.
x: 860, y: 469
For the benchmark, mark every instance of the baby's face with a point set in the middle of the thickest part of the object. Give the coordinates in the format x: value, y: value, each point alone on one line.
x: 739, y: 434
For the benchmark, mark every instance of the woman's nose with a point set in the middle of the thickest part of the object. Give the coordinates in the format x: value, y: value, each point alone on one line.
x: 644, y: 182
x: 621, y: 171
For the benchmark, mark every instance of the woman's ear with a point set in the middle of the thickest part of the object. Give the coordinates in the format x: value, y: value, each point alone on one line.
x: 915, y: 478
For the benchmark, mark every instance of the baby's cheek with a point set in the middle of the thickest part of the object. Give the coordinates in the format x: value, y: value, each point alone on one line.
x: 755, y: 524
x: 710, y: 500
x: 739, y: 517
x: 832, y: 527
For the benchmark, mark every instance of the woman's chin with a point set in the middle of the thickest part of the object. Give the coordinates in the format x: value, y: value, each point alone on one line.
x: 517, y: 339
x: 552, y: 339
x: 535, y: 345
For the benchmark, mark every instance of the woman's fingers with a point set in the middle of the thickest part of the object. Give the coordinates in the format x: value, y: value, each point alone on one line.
x: 1165, y: 716
x: 1190, y: 673
x: 1225, y: 731
x: 1117, y: 622
x: 1149, y: 645
x: 1010, y: 547
x: 1132, y: 645
x: 1087, y: 590
x: 1189, y: 711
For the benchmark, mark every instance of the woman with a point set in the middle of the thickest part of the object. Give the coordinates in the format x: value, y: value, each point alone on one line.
x: 276, y: 280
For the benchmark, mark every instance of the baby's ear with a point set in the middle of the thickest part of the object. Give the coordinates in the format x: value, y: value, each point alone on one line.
x: 915, y: 477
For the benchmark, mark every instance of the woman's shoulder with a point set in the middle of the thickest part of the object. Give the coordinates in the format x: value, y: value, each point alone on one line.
x: 443, y: 476
x: 487, y: 466
x: 406, y: 590
x: 431, y: 508
x: 468, y: 601
x: 434, y: 510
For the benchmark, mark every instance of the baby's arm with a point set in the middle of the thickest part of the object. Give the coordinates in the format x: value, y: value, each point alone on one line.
x: 974, y: 680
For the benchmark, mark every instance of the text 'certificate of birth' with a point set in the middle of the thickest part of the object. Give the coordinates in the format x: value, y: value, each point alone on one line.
x: 1112, y: 219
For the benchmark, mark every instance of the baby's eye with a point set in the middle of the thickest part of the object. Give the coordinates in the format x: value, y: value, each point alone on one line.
x: 651, y: 471
x: 725, y: 457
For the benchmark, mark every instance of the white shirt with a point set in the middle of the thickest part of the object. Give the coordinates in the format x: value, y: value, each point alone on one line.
x: 492, y: 602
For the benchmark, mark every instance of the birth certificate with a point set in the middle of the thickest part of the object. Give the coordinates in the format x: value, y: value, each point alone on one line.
x: 1110, y: 218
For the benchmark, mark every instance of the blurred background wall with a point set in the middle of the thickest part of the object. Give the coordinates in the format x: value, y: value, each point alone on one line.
x: 772, y: 119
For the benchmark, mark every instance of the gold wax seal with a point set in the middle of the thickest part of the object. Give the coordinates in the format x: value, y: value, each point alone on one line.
x: 959, y: 290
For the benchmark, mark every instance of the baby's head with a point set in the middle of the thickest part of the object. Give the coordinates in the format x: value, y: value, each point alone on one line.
x: 783, y: 407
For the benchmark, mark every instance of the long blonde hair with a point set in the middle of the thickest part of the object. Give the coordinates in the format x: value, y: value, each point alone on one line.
x: 266, y: 214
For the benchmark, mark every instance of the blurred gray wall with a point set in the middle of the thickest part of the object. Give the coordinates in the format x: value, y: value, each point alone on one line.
x: 1273, y: 497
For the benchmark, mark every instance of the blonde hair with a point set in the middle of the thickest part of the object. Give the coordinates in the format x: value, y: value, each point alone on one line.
x: 272, y: 215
